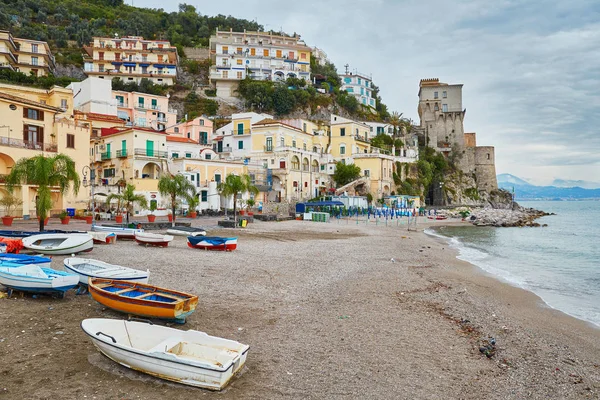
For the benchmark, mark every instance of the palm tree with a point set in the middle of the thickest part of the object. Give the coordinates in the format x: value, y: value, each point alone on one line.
x: 235, y: 185
x: 395, y: 120
x: 128, y: 198
x: 45, y: 172
x: 175, y: 186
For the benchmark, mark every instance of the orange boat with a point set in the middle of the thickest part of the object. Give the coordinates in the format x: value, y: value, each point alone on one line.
x: 142, y: 299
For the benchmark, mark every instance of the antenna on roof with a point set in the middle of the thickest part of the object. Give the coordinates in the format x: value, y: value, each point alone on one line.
x: 346, y: 66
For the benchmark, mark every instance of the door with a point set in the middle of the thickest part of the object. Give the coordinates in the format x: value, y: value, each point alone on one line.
x: 219, y: 146
x: 108, y: 150
x: 149, y: 148
x: 124, y: 148
x: 154, y: 104
x: 240, y: 129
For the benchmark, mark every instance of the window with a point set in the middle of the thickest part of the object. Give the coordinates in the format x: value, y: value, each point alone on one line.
x: 304, y: 146
x: 189, y: 135
x: 295, y: 163
x: 436, y: 107
x: 294, y: 143
x: 252, y: 52
x: 384, y: 173
x: 304, y: 126
x: 176, y: 130
x: 444, y: 94
x: 359, y: 81
x: 445, y: 107
x: 488, y: 156
x: 204, y: 195
x: 192, y: 178
x: 140, y: 102
x: 238, y: 50
x: 63, y: 104
x: 266, y: 52
x: 100, y: 67
x: 225, y: 50
x: 201, y: 122
x: 303, y: 56
x: 435, y: 95
x: 225, y: 74
x: 203, y: 137
x: 188, y: 155
x: 239, y: 61
x: 240, y: 145
x: 322, y: 167
x: 31, y: 113
x: 240, y: 129
x: 109, y: 172
x: 239, y: 75
x: 70, y: 141
x: 367, y: 173
x: 348, y: 80
x: 208, y: 156
x: 269, y: 145
x: 175, y: 155
x: 367, y: 83
x: 282, y: 142
x: 281, y: 164
x: 291, y: 55
x: 218, y: 178
x: 278, y: 54
x: 33, y: 134
x: 342, y: 131
x: 342, y: 149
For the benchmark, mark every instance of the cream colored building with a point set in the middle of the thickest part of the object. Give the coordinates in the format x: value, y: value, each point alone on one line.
x: 131, y: 58
x: 38, y: 121
x: 25, y: 55
x: 258, y: 55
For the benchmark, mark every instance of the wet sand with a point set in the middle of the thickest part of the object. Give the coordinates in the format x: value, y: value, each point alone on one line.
x: 327, y: 314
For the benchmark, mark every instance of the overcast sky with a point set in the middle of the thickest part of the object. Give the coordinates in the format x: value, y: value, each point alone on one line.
x: 530, y: 69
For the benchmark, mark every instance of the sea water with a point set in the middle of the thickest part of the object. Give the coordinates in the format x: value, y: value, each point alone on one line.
x: 560, y: 263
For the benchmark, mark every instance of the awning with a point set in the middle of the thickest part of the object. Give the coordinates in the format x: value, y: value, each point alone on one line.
x: 144, y: 64
x: 171, y: 66
x: 159, y: 65
x: 127, y: 64
x: 116, y: 63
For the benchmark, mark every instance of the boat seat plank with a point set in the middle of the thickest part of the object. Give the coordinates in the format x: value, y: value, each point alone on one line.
x: 126, y: 290
x: 168, y: 296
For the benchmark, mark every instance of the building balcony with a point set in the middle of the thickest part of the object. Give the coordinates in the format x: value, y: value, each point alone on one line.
x: 150, y: 153
x: 268, y: 149
x: 25, y: 144
x: 105, y: 156
x: 6, y: 50
x: 241, y: 131
x: 122, y: 104
x: 224, y: 150
x: 122, y: 153
x: 7, y: 65
x: 161, y: 119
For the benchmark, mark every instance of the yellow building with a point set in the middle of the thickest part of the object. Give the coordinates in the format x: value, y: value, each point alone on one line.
x: 293, y: 153
x: 25, y: 55
x: 378, y: 169
x: 131, y: 58
x: 348, y: 138
x: 33, y: 124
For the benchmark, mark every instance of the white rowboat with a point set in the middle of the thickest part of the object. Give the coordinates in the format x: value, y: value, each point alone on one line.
x: 87, y: 268
x: 153, y: 239
x: 189, y: 357
x: 31, y: 278
x: 122, y: 233
x: 186, y: 231
x: 59, y: 243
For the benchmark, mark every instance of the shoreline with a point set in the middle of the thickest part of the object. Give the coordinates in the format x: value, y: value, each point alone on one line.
x: 330, y: 311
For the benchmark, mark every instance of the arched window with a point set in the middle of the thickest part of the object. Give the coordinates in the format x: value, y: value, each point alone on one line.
x: 295, y: 163
x: 315, y: 166
x: 305, y: 165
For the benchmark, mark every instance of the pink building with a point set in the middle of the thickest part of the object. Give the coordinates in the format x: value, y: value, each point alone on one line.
x: 199, y: 129
x: 144, y: 110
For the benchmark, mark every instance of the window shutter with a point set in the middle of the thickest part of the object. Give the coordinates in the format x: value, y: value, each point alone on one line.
x: 25, y: 131
x: 24, y: 112
x: 41, y: 134
x: 40, y: 115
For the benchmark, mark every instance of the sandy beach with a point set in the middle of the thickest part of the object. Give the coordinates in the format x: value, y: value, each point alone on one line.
x: 330, y: 311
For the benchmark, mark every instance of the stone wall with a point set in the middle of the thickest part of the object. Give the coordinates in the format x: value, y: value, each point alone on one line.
x: 485, y: 168
x: 282, y: 209
x: 197, y: 53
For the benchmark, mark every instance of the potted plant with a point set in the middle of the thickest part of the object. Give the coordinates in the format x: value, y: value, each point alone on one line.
x: 89, y: 217
x: 129, y: 198
x: 9, y: 202
x: 152, y: 208
x: 250, y: 203
x: 45, y: 220
x: 193, y: 203
x: 64, y: 217
x: 170, y: 216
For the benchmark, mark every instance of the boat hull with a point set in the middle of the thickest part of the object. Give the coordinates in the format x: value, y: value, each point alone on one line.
x: 74, y: 243
x: 121, y: 233
x: 154, y: 362
x: 149, y: 239
x: 61, y: 283
x: 179, y: 232
x: 176, y: 311
x: 205, y: 243
x: 116, y: 273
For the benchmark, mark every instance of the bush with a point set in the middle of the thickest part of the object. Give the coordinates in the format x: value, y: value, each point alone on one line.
x: 210, y: 92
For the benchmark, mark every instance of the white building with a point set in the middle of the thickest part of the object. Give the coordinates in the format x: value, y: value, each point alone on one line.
x: 94, y: 95
x: 320, y: 56
x: 360, y: 86
x: 378, y: 128
x: 259, y: 55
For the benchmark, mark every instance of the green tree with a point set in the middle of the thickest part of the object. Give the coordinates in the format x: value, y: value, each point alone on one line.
x: 236, y: 185
x: 395, y: 120
x: 45, y: 172
x: 284, y: 101
x: 128, y: 198
x: 174, y: 187
x: 345, y: 173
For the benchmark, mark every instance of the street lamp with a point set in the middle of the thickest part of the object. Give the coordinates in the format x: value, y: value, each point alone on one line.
x: 92, y: 182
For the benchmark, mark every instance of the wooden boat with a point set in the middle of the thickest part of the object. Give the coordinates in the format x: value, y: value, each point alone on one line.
x: 122, y: 233
x: 188, y: 357
x: 16, y: 260
x: 437, y: 217
x: 103, y: 237
x: 87, y: 268
x: 153, y: 239
x: 186, y: 231
x: 21, y: 234
x: 31, y: 278
x: 141, y: 299
x: 59, y: 243
x: 212, y: 243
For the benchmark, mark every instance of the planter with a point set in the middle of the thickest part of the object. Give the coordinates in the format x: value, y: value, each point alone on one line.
x: 170, y: 216
x: 242, y: 212
x: 45, y: 220
x: 250, y: 213
x: 89, y: 219
x: 193, y: 214
x: 65, y: 220
x: 119, y: 219
x: 7, y: 221
x: 151, y: 218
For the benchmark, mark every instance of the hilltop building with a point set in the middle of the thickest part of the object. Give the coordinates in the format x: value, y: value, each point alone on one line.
x: 131, y: 58
x: 200, y: 130
x: 39, y: 122
x: 93, y: 95
x: 360, y: 86
x: 258, y: 55
x: 25, y: 55
x: 144, y: 110
x: 320, y: 56
x: 442, y: 118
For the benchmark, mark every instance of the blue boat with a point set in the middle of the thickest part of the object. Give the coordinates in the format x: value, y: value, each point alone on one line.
x: 212, y: 243
x: 31, y: 278
x: 17, y: 260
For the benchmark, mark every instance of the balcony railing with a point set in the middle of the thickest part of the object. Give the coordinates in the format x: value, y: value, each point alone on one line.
x: 25, y: 144
x: 105, y: 156
x: 150, y: 153
x: 241, y: 131
x: 161, y: 119
x: 121, y: 153
x: 268, y: 149
x: 224, y: 150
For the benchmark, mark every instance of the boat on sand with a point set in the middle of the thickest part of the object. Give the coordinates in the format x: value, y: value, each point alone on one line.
x: 153, y: 239
x: 88, y: 268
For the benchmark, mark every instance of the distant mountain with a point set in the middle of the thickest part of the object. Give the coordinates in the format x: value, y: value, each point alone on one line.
x: 565, y: 183
x: 512, y: 180
x: 527, y: 191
